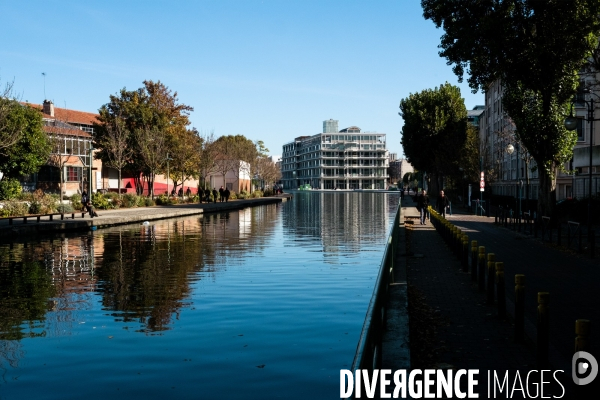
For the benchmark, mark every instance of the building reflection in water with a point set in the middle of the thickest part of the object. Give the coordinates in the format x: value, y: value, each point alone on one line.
x: 140, y: 274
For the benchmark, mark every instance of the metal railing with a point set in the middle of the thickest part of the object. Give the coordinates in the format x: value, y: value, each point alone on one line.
x: 368, y: 352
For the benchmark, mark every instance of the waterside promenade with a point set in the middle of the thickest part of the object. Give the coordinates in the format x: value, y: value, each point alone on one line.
x: 20, y: 230
x: 466, y: 332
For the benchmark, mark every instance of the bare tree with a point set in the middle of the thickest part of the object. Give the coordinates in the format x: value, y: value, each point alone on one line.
x: 227, y: 158
x: 208, y: 156
x: 9, y: 133
x: 153, y: 149
x: 116, y: 144
x: 59, y: 154
x: 269, y: 172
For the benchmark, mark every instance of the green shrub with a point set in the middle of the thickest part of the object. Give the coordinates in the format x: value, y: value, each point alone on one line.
x: 10, y: 189
x: 130, y: 200
x: 162, y: 200
x: 232, y: 196
x: 47, y: 202
x: 35, y: 207
x: 76, y: 202
x: 148, y: 202
x: 65, y: 208
x: 100, y: 202
x: 268, y: 192
x: 243, y: 195
x: 256, y: 194
x: 13, y: 208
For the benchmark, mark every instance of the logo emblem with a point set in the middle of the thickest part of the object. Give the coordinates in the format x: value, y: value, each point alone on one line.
x: 585, y: 368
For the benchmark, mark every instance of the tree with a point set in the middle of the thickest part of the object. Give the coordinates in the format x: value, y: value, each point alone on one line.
x: 148, y: 111
x: 435, y: 129
x: 185, y: 147
x: 536, y: 49
x: 116, y: 143
x: 208, y: 157
x: 152, y: 147
x: 232, y: 150
x: 9, y: 131
x: 32, y: 148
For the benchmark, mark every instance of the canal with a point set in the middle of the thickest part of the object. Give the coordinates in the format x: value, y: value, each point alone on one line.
x: 263, y: 303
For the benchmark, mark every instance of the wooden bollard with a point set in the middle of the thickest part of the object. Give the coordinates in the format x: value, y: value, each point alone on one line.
x: 500, y: 290
x: 465, y: 251
x: 481, y: 271
x: 582, y: 332
x: 519, y: 308
x: 474, y: 260
x: 543, y: 329
x: 491, y: 277
x: 457, y: 242
x: 592, y: 243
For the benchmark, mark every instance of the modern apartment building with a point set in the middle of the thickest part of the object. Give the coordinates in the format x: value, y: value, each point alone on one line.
x: 348, y: 159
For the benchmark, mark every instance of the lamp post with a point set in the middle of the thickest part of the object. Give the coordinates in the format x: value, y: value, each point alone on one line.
x: 91, y: 164
x: 571, y: 124
x: 168, y: 159
x: 511, y: 149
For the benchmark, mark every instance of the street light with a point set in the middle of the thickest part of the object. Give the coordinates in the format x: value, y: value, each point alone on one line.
x: 168, y: 159
x: 91, y: 164
x: 511, y: 149
x: 571, y: 124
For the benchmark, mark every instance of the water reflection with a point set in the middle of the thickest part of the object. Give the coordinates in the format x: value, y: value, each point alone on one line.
x: 341, y: 222
x: 263, y: 286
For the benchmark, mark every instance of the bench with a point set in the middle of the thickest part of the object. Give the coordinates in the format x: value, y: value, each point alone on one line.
x: 39, y: 216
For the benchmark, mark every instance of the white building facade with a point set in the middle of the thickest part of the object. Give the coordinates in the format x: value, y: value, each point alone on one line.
x: 344, y: 160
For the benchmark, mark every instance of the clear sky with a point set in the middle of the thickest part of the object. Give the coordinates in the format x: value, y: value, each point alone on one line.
x: 270, y: 70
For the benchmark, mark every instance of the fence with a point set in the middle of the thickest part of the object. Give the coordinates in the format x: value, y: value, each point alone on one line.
x: 488, y: 272
x: 368, y: 351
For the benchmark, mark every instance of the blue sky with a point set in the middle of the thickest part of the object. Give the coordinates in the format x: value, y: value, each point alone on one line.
x: 270, y: 70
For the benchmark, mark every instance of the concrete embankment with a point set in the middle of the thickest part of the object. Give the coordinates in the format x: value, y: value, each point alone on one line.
x: 19, y: 229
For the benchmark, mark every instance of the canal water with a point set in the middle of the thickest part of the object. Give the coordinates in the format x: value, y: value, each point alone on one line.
x: 264, y: 303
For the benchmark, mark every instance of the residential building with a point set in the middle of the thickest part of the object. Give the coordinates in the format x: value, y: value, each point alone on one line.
x: 236, y: 177
x: 512, y: 174
x: 71, y: 139
x: 72, y: 132
x: 588, y: 139
x: 348, y: 159
x: 474, y: 115
x: 399, y: 168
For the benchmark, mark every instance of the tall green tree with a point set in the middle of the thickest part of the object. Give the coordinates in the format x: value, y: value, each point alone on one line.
x: 536, y: 49
x: 185, y: 148
x: 31, y: 149
x: 435, y: 129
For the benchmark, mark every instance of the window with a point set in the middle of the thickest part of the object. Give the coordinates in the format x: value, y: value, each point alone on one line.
x: 48, y: 173
x: 73, y: 174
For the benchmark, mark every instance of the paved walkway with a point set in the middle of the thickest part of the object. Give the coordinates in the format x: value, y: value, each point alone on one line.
x: 472, y: 335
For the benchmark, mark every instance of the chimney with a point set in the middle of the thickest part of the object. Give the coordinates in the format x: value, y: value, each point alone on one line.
x: 48, y: 108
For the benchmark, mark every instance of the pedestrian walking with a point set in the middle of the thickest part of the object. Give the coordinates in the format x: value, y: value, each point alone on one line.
x: 442, y: 204
x: 423, y: 206
x: 227, y: 193
x: 215, y: 195
x: 221, y: 195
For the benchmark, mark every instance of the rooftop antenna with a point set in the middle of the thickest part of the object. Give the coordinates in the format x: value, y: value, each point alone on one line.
x: 44, y: 75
